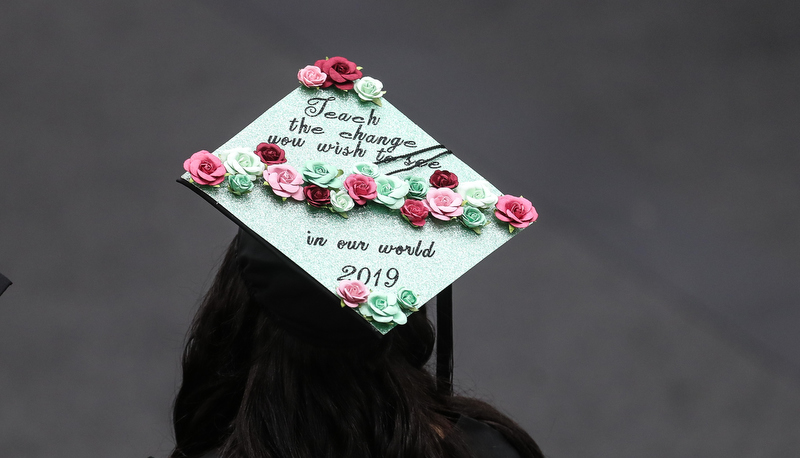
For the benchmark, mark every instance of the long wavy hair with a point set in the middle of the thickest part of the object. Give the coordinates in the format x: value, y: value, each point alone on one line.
x: 251, y: 389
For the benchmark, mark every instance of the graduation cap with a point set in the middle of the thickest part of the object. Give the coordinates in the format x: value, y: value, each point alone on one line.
x: 351, y: 216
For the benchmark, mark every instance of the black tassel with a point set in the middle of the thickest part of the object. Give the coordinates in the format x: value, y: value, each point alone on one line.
x: 444, y: 341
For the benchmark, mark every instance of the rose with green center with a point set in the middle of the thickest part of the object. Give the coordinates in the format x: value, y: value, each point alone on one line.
x: 322, y: 174
x: 473, y: 218
x: 367, y: 169
x: 382, y: 308
x: 243, y: 161
x: 239, y: 184
x: 391, y: 191
x: 408, y: 299
x: 418, y: 187
x: 477, y: 193
x: 369, y: 90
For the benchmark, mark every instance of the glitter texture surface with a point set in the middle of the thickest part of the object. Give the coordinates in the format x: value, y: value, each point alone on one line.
x: 444, y: 250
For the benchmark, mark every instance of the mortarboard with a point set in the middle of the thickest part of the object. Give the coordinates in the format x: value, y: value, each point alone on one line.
x: 350, y: 214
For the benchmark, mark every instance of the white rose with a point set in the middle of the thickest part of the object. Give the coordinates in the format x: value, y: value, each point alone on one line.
x: 341, y: 201
x: 369, y: 89
x: 477, y: 193
x: 242, y: 161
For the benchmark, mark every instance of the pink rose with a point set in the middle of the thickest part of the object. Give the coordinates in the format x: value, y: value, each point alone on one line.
x: 415, y: 211
x: 352, y: 292
x: 361, y: 188
x: 517, y: 211
x: 341, y: 72
x: 443, y: 203
x: 270, y: 153
x: 205, y: 168
x: 311, y: 76
x: 285, y: 181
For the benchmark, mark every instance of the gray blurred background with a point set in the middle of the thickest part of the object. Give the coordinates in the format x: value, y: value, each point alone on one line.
x: 651, y: 312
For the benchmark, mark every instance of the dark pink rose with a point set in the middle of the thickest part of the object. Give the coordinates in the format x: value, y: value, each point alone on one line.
x: 316, y: 196
x: 361, y: 188
x: 341, y: 72
x: 415, y: 212
x: 443, y: 203
x: 270, y: 153
x: 516, y: 211
x: 444, y: 179
x: 205, y: 168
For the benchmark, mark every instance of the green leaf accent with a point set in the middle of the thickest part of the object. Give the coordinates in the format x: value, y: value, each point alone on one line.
x: 477, y: 230
x: 342, y: 302
x: 510, y: 229
x: 377, y: 102
x: 342, y: 214
x: 359, y: 68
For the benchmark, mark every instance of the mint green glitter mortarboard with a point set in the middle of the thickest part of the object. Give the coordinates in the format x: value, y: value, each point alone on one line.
x: 357, y: 195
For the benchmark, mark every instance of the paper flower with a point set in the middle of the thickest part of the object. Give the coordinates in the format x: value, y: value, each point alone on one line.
x: 205, y: 168
x: 311, y: 76
x: 369, y: 90
x: 382, y: 308
x: 270, y: 153
x: 239, y: 184
x: 242, y: 161
x: 443, y: 203
x: 477, y: 193
x: 341, y: 201
x: 408, y: 299
x: 321, y: 174
x: 444, y: 179
x: 473, y: 218
x: 361, y: 188
x: 352, y: 292
x: 366, y: 168
x: 516, y: 211
x: 285, y: 181
x: 391, y: 191
x: 417, y: 187
x: 415, y: 212
x: 317, y: 196
x: 341, y: 72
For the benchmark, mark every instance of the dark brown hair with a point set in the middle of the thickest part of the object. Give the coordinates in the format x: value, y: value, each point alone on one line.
x: 251, y: 389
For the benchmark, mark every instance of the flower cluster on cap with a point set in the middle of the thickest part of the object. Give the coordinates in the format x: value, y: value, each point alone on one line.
x: 342, y: 74
x: 379, y: 306
x: 321, y: 185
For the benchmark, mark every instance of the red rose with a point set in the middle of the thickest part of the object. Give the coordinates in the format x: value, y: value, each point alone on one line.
x: 341, y: 72
x: 316, y: 196
x: 444, y: 179
x: 270, y: 154
x: 361, y: 188
x: 415, y: 212
x: 516, y: 211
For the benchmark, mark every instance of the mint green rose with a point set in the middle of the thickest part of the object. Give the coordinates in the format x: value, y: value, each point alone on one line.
x: 391, y: 191
x: 473, y: 218
x: 408, y: 299
x: 239, y: 184
x: 322, y: 174
x: 382, y: 308
x: 418, y: 187
x: 367, y: 169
